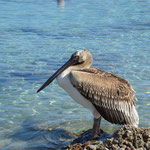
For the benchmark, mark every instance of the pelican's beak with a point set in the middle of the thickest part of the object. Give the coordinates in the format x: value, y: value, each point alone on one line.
x: 59, y: 71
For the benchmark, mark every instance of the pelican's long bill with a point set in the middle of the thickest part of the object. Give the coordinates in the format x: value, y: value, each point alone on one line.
x: 59, y: 71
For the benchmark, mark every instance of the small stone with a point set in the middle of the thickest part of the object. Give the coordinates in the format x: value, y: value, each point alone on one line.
x: 115, y: 141
x: 109, y: 140
x: 147, y: 146
x: 91, y: 147
x: 105, y: 148
x: 127, y: 133
x: 86, y: 144
x: 130, y: 144
x: 128, y: 148
x: 140, y: 148
x: 99, y: 142
x: 123, y: 147
x: 138, y: 141
x: 125, y: 142
x: 115, y: 146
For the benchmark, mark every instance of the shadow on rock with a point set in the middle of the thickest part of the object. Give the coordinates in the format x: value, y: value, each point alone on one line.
x: 86, y: 136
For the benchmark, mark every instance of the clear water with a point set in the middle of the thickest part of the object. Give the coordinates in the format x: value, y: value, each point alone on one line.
x: 37, y: 37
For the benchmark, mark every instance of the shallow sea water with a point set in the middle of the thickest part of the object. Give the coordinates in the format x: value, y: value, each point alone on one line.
x: 37, y: 37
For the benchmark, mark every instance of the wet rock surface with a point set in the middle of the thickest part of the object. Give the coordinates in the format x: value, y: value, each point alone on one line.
x: 126, y: 138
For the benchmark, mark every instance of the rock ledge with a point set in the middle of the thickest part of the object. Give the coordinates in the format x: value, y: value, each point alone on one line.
x: 126, y: 138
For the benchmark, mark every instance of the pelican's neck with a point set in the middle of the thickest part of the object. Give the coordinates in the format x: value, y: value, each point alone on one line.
x: 65, y: 73
x: 63, y: 78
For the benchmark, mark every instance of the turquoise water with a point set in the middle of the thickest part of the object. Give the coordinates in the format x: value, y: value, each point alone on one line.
x: 37, y: 37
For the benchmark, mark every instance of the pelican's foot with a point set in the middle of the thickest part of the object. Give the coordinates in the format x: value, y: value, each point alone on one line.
x: 96, y: 134
x: 95, y: 137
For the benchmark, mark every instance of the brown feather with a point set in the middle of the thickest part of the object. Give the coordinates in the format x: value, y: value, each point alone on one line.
x: 112, y: 96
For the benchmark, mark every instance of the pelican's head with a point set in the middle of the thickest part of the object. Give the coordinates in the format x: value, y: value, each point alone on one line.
x: 83, y: 57
x: 80, y: 59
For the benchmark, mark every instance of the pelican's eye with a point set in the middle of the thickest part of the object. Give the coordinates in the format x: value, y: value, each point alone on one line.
x: 76, y: 58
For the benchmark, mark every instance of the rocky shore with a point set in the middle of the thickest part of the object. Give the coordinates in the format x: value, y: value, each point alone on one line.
x: 126, y: 138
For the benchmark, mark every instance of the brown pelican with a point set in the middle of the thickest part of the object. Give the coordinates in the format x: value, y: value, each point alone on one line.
x: 105, y: 94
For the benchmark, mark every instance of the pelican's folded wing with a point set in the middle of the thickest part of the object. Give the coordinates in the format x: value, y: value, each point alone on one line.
x: 112, y: 96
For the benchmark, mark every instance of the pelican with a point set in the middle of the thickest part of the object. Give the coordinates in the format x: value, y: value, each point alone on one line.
x: 107, y: 95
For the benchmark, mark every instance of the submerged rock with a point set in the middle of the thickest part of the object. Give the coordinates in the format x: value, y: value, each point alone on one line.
x: 126, y: 138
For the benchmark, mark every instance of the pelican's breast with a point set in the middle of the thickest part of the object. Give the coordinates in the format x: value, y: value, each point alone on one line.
x: 64, y: 81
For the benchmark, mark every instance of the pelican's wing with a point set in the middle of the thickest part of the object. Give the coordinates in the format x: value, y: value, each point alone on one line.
x: 112, y: 96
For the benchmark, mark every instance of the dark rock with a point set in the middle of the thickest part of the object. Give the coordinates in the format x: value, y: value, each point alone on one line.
x: 126, y: 138
x: 91, y: 147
